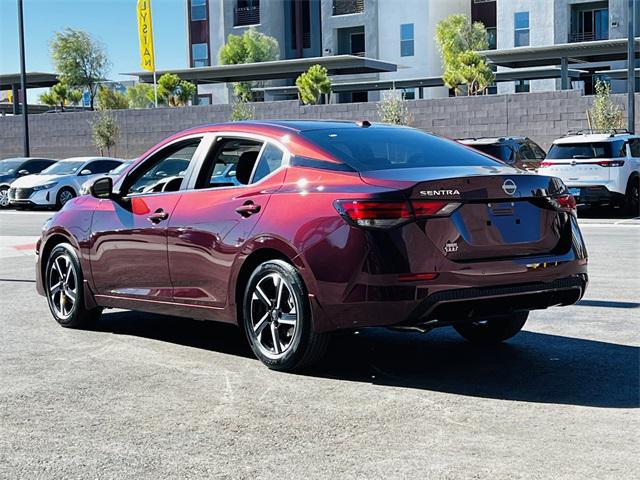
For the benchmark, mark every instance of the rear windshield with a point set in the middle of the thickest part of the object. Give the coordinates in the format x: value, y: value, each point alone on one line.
x: 378, y: 148
x: 587, y: 150
x: 503, y: 152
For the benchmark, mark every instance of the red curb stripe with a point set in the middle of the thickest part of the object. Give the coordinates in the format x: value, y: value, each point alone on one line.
x: 31, y: 246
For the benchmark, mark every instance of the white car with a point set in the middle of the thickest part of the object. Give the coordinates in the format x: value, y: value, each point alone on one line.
x: 597, y: 168
x: 114, y: 174
x: 59, y: 183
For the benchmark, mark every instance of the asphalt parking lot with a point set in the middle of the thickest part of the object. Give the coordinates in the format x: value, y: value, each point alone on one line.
x: 147, y: 396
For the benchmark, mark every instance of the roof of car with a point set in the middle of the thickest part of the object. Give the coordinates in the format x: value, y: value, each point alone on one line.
x: 26, y: 159
x: 594, y: 137
x: 489, y: 140
x: 87, y: 159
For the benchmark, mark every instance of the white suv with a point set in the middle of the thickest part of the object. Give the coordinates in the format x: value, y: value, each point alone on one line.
x: 597, y: 168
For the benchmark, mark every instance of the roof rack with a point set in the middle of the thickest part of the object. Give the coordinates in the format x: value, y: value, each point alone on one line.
x: 598, y: 131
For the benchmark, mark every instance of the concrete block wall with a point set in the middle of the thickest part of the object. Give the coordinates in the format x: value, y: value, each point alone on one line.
x: 541, y: 116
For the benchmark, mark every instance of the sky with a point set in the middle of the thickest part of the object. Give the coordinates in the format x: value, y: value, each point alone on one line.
x: 113, y: 22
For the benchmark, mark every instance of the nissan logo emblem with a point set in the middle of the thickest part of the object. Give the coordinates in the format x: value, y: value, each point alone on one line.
x: 509, y: 187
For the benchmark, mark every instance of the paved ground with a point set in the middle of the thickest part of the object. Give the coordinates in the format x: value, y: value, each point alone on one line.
x: 146, y: 396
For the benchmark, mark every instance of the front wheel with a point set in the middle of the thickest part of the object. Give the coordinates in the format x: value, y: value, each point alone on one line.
x: 64, y: 289
x: 4, y: 197
x: 64, y: 195
x: 277, y: 318
x: 493, y: 330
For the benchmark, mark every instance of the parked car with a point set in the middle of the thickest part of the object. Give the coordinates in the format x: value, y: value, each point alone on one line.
x: 598, y: 168
x: 334, y: 225
x: 59, y: 183
x: 520, y: 152
x: 13, y: 168
x: 115, y: 173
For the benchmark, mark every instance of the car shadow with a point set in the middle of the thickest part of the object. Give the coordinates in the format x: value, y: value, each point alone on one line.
x: 604, y: 212
x: 532, y: 367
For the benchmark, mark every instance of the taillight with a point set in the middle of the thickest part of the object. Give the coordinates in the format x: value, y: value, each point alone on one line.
x: 546, y: 164
x: 611, y: 163
x: 385, y: 214
x: 567, y: 203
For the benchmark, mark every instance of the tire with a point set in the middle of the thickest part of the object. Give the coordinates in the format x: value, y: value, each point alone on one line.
x: 631, y: 198
x: 64, y: 195
x: 276, y: 318
x: 4, y: 197
x: 494, y: 330
x: 63, y: 280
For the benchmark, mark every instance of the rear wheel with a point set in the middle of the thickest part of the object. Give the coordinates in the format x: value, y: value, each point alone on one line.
x: 493, y: 330
x: 277, y: 318
x: 64, y: 288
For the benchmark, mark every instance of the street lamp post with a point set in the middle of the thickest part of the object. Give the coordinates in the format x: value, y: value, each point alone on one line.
x: 23, y: 80
x: 631, y: 74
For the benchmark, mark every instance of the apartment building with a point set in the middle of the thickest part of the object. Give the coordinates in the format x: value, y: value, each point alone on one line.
x: 523, y: 23
x: 397, y: 31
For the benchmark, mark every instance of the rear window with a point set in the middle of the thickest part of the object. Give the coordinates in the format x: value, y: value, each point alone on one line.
x: 378, y: 148
x: 587, y: 150
x: 503, y: 152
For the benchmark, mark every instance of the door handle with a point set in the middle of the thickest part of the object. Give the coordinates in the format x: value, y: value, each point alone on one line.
x: 248, y: 209
x: 158, y: 216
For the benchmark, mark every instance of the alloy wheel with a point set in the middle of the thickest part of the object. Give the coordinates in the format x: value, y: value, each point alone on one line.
x: 63, y: 286
x: 274, y: 315
x: 65, y: 196
x: 4, y: 197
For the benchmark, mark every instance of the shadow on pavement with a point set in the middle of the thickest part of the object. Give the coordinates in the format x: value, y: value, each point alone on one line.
x: 604, y: 212
x: 532, y: 367
x: 607, y: 304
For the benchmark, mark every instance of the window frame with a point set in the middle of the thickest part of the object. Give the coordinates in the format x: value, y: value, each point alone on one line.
x: 194, y: 60
x: 410, y: 40
x: 212, y: 139
x: 204, y: 4
x: 516, y: 30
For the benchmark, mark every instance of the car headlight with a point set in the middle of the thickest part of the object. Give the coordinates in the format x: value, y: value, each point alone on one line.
x: 45, y: 186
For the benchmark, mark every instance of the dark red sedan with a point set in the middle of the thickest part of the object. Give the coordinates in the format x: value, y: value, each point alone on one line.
x: 295, y: 229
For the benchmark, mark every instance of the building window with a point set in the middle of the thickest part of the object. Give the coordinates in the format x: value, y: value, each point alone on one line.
x: 409, y: 93
x: 247, y: 12
x: 492, y: 38
x: 483, y: 1
x: 406, y: 40
x: 346, y: 7
x: 589, y: 24
x: 198, y: 10
x: 522, y: 86
x: 200, y: 54
x: 204, y: 99
x: 521, y: 23
x: 357, y: 44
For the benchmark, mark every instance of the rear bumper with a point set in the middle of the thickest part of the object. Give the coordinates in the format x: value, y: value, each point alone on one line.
x: 594, y: 194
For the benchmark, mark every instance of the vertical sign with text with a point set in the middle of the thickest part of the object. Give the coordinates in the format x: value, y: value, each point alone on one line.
x: 145, y: 35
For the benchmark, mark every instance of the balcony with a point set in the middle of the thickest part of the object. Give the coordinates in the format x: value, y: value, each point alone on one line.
x: 587, y: 37
x: 347, y: 7
x: 244, y: 16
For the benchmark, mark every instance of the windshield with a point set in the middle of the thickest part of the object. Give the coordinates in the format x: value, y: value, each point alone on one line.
x: 63, y: 168
x: 8, y: 167
x: 383, y: 148
x: 587, y: 150
x: 119, y: 169
x: 501, y: 152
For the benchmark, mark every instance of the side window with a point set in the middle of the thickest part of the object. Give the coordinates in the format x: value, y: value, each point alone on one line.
x: 164, y: 171
x: 634, y: 145
x: 537, y: 151
x: 101, y: 166
x: 526, y: 152
x: 229, y: 163
x: 619, y: 150
x: 32, y: 166
x: 269, y: 161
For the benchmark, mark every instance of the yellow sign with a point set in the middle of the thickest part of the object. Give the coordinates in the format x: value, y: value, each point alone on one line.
x: 145, y: 34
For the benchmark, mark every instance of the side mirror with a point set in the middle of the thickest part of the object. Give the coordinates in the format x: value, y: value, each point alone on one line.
x: 86, y: 171
x: 23, y: 172
x: 102, y: 188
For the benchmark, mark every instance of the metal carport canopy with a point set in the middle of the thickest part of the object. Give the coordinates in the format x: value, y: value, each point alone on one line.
x: 580, y: 52
x: 277, y: 69
x: 428, y: 82
x: 34, y: 80
x: 618, y: 74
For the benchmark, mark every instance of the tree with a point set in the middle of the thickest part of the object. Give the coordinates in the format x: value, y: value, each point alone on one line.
x: 141, y: 96
x: 605, y: 114
x: 81, y: 61
x: 312, y: 84
x: 242, y: 111
x: 106, y: 132
x: 393, y: 109
x: 458, y: 40
x: 172, y: 91
x: 250, y: 47
x: 108, y: 99
x: 60, y: 95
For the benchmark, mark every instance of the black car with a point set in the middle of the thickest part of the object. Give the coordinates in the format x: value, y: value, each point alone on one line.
x: 12, y: 168
x: 520, y: 152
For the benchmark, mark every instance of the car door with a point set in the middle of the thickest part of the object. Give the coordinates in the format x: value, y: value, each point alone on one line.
x: 214, y: 218
x: 129, y: 233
